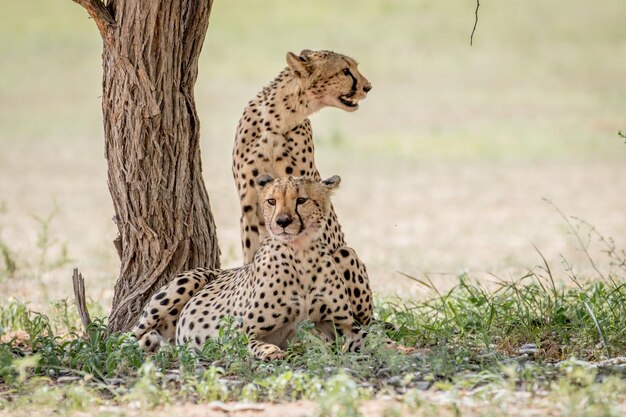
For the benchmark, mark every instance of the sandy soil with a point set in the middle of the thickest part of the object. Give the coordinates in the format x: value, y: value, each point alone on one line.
x: 442, y: 404
x: 439, y: 218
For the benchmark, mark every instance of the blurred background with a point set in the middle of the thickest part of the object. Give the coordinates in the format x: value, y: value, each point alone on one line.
x: 445, y: 167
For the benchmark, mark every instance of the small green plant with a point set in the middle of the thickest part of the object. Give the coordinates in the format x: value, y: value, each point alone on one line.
x: 210, y: 387
x: 148, y: 390
x: 579, y: 393
x: 340, y: 399
x: 103, y: 355
x: 52, y: 253
x: 65, y: 317
x: 15, y: 315
x: 8, y: 258
x: 45, y: 243
x: 10, y: 264
x: 230, y: 348
x: 78, y: 397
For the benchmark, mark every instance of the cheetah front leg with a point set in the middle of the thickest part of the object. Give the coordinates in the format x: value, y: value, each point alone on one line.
x: 354, y: 275
x: 354, y: 336
x: 265, y: 351
x: 355, y: 339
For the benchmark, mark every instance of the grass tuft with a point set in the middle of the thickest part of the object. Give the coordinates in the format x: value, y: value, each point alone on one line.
x: 564, y: 338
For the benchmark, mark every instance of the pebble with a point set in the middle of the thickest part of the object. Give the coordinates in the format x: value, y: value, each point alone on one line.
x: 528, y: 349
x: 422, y: 385
x: 115, y: 381
x: 172, y: 377
x: 68, y: 379
x: 395, y: 381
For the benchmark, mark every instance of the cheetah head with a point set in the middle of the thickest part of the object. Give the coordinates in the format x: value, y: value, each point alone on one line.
x: 295, y: 208
x: 329, y: 78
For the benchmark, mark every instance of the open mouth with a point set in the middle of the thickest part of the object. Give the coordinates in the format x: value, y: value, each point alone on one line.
x: 348, y: 100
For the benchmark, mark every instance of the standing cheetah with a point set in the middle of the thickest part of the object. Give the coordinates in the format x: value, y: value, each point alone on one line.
x: 292, y: 278
x: 274, y: 137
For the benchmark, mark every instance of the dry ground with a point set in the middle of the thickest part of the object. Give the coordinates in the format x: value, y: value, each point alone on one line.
x: 412, y: 217
x: 440, y: 404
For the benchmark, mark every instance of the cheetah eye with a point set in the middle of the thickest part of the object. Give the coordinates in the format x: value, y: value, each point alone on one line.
x: 346, y: 71
x: 301, y: 200
x: 271, y: 201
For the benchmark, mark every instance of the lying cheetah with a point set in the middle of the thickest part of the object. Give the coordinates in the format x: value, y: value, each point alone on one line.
x: 274, y: 136
x: 292, y: 278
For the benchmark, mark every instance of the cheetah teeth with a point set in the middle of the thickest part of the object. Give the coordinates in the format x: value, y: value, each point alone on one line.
x: 348, y: 101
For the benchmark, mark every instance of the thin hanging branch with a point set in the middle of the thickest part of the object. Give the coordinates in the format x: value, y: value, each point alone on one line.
x: 475, y: 22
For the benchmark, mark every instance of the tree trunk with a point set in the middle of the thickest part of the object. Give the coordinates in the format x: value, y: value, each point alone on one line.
x: 151, y: 128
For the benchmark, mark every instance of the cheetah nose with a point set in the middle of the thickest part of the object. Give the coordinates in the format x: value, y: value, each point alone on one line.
x: 284, y: 221
x: 367, y: 88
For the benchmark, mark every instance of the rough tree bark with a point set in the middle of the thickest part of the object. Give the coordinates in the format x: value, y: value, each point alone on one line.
x: 151, y: 128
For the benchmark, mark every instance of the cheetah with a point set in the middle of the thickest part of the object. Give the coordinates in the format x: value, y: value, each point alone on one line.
x: 274, y: 136
x: 292, y: 278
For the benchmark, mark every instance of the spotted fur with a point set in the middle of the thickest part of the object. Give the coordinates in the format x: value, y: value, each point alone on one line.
x: 292, y: 278
x: 274, y: 136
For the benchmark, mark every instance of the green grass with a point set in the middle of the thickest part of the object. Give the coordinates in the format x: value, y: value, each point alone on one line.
x: 469, y: 338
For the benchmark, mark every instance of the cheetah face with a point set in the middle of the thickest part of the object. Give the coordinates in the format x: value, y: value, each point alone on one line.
x: 329, y: 78
x: 295, y: 208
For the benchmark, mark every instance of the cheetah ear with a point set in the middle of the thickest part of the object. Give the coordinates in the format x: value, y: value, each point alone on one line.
x: 332, y: 182
x: 298, y: 64
x: 263, y: 180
